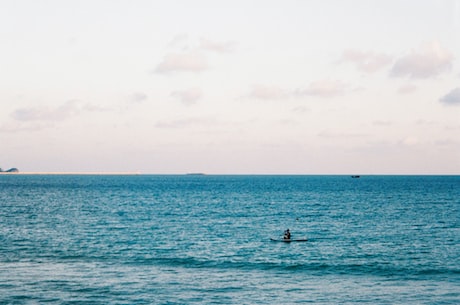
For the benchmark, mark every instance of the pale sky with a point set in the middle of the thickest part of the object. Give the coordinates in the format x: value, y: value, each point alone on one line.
x: 230, y: 87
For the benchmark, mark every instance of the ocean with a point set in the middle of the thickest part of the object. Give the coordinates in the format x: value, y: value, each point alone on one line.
x: 205, y: 239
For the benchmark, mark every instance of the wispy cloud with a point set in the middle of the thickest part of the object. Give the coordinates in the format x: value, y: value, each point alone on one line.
x: 190, y: 55
x: 183, y: 42
x: 12, y: 127
x: 423, y: 122
x: 300, y: 109
x: 367, y: 62
x: 184, y: 123
x: 323, y: 88
x: 429, y: 60
x: 382, y: 123
x: 179, y: 41
x: 42, y: 117
x: 267, y: 92
x: 217, y: 46
x: 409, y: 141
x: 138, y: 97
x: 320, y: 88
x: 182, y: 62
x: 39, y: 118
x: 188, y: 96
x: 407, y: 89
x: 68, y: 109
x: 451, y: 98
x: 330, y: 134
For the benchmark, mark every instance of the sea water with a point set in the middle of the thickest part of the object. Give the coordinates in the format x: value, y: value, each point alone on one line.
x: 82, y: 239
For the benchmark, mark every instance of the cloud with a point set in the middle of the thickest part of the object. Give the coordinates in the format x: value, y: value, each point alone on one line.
x: 267, y: 92
x: 341, y: 135
x: 324, y: 88
x: 422, y: 122
x: 23, y: 126
x: 189, y: 55
x: 95, y: 108
x: 188, y: 96
x: 39, y: 118
x: 409, y: 141
x: 407, y: 89
x: 451, y: 98
x: 382, y: 123
x: 367, y: 62
x: 183, y: 42
x: 68, y: 109
x: 138, y: 97
x: 428, y: 61
x: 216, y: 46
x: 300, y: 109
x: 179, y: 41
x: 182, y: 62
x: 184, y: 123
x: 44, y: 116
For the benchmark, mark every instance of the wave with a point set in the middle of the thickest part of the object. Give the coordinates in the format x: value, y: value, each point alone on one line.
x: 313, y: 268
x: 222, y: 263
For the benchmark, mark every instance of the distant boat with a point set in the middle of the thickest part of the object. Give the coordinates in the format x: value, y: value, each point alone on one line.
x: 195, y: 174
x: 355, y: 176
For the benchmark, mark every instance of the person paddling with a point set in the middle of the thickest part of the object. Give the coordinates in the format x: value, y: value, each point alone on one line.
x: 287, y: 234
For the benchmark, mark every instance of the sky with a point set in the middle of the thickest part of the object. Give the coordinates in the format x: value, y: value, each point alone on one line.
x: 230, y: 87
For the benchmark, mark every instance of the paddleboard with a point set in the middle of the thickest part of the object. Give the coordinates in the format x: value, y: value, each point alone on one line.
x: 288, y: 240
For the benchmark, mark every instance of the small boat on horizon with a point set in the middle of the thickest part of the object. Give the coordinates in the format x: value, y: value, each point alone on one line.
x: 356, y: 176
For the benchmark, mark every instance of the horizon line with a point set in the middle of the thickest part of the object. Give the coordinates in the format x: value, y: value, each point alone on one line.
x: 132, y: 173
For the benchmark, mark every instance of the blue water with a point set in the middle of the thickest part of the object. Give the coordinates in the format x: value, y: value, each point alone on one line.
x: 206, y: 239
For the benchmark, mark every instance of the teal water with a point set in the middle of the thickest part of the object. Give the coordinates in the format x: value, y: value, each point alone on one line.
x: 206, y: 239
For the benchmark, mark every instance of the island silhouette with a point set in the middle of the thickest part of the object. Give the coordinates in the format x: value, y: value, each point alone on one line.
x: 11, y: 170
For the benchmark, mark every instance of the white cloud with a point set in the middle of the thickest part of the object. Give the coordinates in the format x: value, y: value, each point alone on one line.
x: 267, y: 92
x: 44, y: 114
x: 39, y: 118
x: 407, y: 89
x: 301, y: 109
x: 184, y: 123
x: 182, y: 62
x: 189, y: 55
x: 216, y: 46
x: 188, y: 96
x: 428, y: 61
x: 324, y: 88
x: 138, y: 97
x: 382, y: 123
x: 179, y: 41
x: 329, y: 134
x: 68, y: 109
x: 368, y: 62
x: 451, y: 98
x: 423, y: 122
x: 24, y: 126
x: 409, y: 141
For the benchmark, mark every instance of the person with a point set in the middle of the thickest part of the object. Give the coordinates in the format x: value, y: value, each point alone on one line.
x: 287, y: 234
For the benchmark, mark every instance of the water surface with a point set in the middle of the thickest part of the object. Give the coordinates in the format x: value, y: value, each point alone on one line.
x: 69, y: 239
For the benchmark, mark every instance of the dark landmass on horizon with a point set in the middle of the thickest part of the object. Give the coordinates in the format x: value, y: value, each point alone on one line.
x: 11, y: 170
